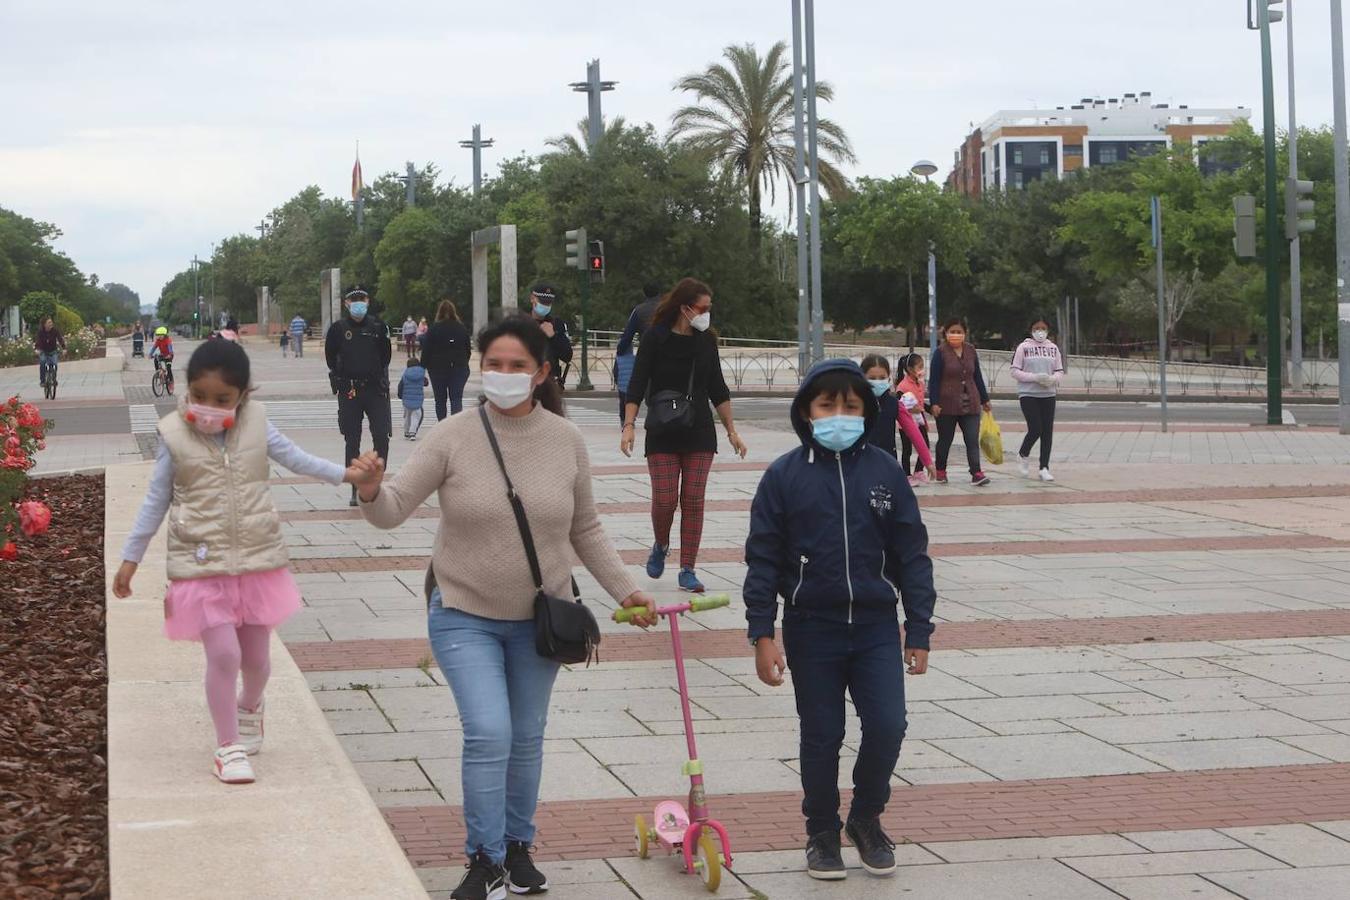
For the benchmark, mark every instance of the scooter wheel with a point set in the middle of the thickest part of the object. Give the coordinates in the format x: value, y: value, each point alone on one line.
x: 709, y: 863
x: 642, y: 837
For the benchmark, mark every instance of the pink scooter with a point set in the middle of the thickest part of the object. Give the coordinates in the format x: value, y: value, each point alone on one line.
x: 676, y: 829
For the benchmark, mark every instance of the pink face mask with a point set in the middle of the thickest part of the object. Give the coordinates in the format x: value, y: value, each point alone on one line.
x: 209, y: 419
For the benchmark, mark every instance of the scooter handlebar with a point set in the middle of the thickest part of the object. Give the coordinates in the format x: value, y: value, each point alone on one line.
x: 698, y: 604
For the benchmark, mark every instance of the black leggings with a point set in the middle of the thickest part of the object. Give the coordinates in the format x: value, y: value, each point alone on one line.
x: 907, y: 450
x: 970, y: 434
x: 1040, y: 415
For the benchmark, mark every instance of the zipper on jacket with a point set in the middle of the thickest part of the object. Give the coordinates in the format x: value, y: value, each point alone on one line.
x: 848, y: 565
x: 883, y: 574
x: 801, y: 576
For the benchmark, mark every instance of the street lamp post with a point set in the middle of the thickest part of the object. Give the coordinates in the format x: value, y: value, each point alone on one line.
x: 1342, y: 164
x: 593, y: 87
x: 927, y: 169
x: 1295, y: 276
x: 476, y: 145
x: 1274, y: 402
x: 196, y: 300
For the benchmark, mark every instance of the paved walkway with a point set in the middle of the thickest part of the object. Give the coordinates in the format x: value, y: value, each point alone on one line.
x: 1140, y: 683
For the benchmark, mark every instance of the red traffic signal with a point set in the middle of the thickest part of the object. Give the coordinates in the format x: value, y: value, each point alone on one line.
x: 595, y: 259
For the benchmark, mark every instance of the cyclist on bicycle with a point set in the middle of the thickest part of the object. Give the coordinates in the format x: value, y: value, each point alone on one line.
x: 48, y: 344
x: 162, y: 352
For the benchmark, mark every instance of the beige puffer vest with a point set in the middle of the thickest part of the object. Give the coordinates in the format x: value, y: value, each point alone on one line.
x: 222, y: 520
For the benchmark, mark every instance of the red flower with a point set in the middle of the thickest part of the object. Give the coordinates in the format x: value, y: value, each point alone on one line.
x: 9, y: 551
x: 35, y: 517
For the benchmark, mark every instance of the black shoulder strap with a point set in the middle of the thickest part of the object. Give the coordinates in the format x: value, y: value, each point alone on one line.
x: 516, y: 506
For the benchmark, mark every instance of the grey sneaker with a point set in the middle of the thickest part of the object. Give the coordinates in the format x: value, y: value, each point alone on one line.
x: 875, y: 848
x: 824, y: 861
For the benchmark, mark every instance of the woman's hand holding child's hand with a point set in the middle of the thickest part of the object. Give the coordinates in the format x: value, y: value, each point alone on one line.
x: 122, y: 580
x: 917, y: 660
x: 769, y: 662
x: 366, y: 472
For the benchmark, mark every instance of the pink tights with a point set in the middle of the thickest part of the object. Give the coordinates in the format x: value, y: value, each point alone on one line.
x: 230, y: 651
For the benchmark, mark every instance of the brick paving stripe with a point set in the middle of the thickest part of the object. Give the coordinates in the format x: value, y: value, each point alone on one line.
x: 1164, y: 801
x: 1290, y: 541
x: 1043, y: 497
x: 407, y: 653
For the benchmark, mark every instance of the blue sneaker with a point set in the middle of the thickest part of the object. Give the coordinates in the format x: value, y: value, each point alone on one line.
x: 656, y: 563
x: 689, y: 582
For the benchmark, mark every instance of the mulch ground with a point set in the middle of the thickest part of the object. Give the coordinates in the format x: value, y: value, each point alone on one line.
x: 53, y: 693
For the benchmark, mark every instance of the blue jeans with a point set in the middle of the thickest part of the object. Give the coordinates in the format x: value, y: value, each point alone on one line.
x: 47, y: 359
x: 826, y: 658
x: 502, y: 688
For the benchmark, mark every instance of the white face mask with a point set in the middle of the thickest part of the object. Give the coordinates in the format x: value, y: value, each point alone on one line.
x: 507, y: 390
x: 1039, y: 335
x: 701, y: 322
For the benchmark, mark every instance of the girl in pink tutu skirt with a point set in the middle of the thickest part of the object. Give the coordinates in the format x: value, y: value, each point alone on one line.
x: 230, y: 581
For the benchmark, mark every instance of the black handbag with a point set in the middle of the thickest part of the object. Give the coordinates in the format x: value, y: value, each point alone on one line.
x: 565, y: 631
x: 669, y: 411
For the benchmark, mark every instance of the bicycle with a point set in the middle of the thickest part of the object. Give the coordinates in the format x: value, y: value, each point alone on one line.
x: 47, y: 375
x: 161, y: 382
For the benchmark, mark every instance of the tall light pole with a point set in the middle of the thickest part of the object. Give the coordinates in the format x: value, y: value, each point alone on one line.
x: 926, y: 169
x: 593, y: 87
x: 409, y: 186
x: 1295, y: 277
x: 196, y: 300
x: 1342, y: 163
x: 800, y: 181
x: 476, y: 145
x: 813, y: 155
x: 1274, y: 333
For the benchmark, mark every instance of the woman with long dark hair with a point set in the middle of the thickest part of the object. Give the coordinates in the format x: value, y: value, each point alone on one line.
x: 958, y: 395
x: 481, y: 593
x: 678, y: 373
x: 445, y: 356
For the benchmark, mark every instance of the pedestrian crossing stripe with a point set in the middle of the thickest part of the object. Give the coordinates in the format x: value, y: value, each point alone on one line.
x: 144, y: 418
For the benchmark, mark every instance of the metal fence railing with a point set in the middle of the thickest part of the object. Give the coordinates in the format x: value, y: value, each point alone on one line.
x: 772, y: 365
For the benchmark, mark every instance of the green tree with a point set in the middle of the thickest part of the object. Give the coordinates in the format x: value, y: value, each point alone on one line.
x: 888, y: 225
x: 579, y: 144
x: 743, y: 121
x: 36, y: 306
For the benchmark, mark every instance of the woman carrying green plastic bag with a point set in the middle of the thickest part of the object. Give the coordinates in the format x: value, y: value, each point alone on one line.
x: 991, y: 439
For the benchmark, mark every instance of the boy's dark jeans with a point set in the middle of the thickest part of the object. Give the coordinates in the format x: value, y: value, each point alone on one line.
x: 825, y: 659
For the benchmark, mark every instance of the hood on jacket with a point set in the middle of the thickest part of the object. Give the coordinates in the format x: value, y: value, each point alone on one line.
x: 802, y: 424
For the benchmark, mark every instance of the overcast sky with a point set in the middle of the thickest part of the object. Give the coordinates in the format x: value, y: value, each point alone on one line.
x: 146, y: 129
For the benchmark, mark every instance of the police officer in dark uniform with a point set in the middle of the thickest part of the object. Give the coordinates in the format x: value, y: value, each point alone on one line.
x: 542, y: 298
x: 358, y: 350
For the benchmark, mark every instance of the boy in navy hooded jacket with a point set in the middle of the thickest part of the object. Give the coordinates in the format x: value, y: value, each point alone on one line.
x: 835, y: 531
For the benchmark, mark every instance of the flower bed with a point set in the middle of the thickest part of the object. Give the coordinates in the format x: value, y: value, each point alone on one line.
x: 87, y: 343
x: 53, y: 685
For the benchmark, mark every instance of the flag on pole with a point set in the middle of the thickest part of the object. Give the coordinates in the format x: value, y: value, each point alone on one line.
x: 357, y: 183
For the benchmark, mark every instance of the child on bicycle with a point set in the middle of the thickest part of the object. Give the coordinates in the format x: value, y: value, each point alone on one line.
x: 230, y: 582
x: 48, y: 343
x: 162, y: 351
x: 834, y: 528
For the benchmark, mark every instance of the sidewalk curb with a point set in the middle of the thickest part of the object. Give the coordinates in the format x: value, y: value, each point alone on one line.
x: 307, y: 828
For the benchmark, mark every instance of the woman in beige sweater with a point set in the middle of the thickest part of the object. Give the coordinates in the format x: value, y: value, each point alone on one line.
x: 481, y: 607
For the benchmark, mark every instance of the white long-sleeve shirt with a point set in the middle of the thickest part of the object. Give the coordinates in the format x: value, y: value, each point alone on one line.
x: 280, y: 449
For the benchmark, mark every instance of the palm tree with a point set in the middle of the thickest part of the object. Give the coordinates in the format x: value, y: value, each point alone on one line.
x: 572, y: 145
x: 744, y: 121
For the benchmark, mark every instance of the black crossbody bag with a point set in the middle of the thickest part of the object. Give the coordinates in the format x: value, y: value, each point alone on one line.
x: 565, y: 631
x: 669, y: 411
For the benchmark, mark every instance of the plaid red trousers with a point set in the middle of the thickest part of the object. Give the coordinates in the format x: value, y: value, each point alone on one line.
x: 679, y: 480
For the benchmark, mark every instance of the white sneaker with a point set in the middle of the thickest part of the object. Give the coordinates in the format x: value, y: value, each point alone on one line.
x: 1024, y: 465
x: 232, y: 765
x: 1046, y: 476
x: 251, y: 729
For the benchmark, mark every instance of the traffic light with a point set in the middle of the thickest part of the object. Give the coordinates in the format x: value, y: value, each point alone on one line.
x: 576, y: 249
x: 1298, y: 202
x: 595, y: 260
x: 1244, y: 226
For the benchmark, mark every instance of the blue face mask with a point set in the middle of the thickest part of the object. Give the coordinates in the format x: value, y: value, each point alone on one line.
x: 542, y: 311
x: 838, y: 432
x: 359, y: 308
x: 880, y: 387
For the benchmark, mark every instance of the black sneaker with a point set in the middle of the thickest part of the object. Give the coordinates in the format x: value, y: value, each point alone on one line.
x: 484, y: 880
x: 875, y: 849
x: 824, y: 861
x: 521, y: 875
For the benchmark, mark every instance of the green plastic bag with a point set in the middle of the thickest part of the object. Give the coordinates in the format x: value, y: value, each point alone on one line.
x: 991, y: 439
